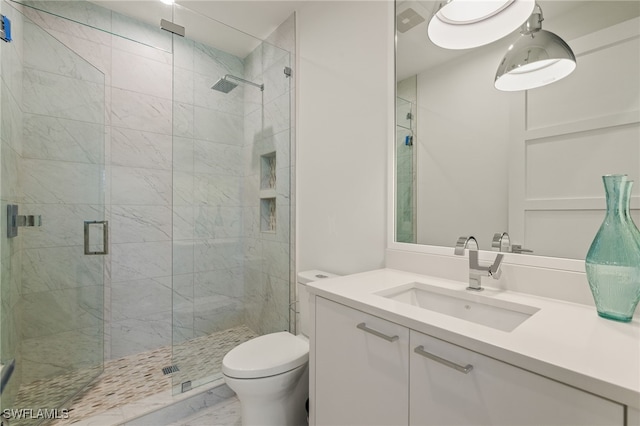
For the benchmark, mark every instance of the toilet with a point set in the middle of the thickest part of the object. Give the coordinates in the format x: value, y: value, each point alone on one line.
x: 270, y: 373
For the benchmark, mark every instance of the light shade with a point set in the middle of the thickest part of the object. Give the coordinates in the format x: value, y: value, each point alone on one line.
x: 464, y: 24
x: 535, y: 59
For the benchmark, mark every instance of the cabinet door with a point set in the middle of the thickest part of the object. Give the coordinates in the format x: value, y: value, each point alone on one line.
x: 494, y: 393
x: 362, y: 378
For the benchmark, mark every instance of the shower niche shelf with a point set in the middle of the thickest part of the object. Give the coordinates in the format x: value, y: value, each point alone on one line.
x: 268, y: 171
x: 268, y: 192
x: 268, y: 215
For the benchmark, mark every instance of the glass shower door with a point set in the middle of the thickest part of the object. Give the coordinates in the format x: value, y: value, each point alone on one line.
x: 53, y: 190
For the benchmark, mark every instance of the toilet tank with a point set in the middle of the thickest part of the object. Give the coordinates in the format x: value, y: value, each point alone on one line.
x: 303, y: 296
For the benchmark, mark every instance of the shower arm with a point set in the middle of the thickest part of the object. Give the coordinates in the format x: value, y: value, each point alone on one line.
x: 261, y: 86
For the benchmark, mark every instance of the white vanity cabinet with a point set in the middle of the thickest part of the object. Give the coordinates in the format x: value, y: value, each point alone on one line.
x: 492, y: 392
x: 362, y: 374
x: 367, y: 372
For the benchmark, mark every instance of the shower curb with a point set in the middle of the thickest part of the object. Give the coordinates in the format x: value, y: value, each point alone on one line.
x: 163, y: 408
x: 182, y: 408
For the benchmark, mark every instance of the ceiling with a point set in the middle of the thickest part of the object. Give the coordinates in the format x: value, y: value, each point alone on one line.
x: 215, y: 23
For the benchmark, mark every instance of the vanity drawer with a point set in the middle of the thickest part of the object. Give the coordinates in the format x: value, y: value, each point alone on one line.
x: 492, y: 392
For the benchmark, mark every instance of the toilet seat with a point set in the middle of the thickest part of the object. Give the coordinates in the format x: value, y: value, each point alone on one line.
x: 265, y: 356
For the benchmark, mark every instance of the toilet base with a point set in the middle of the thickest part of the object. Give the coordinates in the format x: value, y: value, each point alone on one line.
x: 273, y: 401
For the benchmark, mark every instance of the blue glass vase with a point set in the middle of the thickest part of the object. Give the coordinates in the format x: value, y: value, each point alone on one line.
x: 613, y: 260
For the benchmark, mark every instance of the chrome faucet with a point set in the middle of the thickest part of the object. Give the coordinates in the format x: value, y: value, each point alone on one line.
x: 501, y: 242
x: 477, y: 271
x: 465, y: 242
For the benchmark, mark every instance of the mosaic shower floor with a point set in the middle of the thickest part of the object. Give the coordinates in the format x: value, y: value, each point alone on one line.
x: 135, y: 377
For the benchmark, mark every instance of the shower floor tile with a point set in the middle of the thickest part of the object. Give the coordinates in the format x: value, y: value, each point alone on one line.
x: 200, y: 359
x: 132, y: 378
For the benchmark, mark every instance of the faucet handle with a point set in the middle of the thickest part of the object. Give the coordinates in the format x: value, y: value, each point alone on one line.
x: 494, y: 270
x: 517, y: 248
x: 465, y: 242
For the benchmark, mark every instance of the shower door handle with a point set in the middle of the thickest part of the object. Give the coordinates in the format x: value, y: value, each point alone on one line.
x: 87, y: 236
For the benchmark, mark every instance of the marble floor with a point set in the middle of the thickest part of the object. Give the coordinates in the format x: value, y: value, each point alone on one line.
x: 225, y: 413
x: 136, y: 377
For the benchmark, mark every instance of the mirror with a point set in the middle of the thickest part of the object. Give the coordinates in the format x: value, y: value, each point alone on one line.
x: 472, y: 160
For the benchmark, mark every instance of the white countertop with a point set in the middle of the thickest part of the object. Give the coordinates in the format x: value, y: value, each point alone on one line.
x: 564, y: 341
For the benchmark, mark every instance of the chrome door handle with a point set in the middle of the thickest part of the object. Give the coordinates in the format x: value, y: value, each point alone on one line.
x: 105, y: 236
x: 466, y: 369
x: 363, y: 326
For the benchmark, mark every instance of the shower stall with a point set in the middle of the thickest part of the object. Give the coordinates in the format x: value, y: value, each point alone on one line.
x: 145, y: 180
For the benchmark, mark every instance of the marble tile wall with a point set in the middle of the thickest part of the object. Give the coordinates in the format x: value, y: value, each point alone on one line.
x: 11, y: 148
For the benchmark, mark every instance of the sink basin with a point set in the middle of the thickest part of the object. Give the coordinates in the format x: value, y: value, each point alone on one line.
x: 498, y: 314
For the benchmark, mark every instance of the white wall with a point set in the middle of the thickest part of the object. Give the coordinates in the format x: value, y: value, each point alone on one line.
x: 345, y: 83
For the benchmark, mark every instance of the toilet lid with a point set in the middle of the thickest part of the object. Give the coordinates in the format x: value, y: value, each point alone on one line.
x: 265, y: 356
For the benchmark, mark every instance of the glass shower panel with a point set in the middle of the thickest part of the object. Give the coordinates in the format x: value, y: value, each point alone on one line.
x: 53, y: 170
x: 268, y: 280
x: 10, y: 248
x: 405, y: 171
x: 231, y: 202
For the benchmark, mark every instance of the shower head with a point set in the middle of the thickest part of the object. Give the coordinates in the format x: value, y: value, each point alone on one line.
x: 225, y: 86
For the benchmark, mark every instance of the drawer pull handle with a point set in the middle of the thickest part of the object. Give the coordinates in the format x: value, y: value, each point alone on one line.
x: 466, y: 369
x: 363, y: 326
